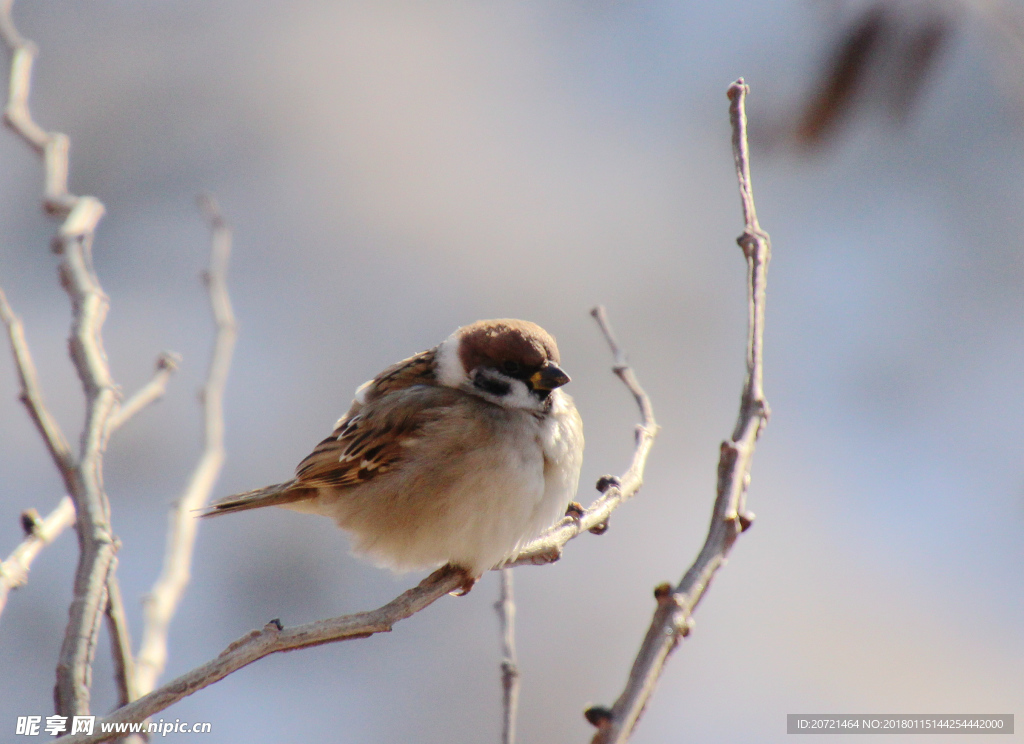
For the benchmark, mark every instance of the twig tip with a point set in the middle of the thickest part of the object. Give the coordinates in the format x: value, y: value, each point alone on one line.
x: 598, y: 716
x: 738, y: 88
x: 30, y: 522
x: 662, y: 591
x: 210, y: 209
x: 168, y: 360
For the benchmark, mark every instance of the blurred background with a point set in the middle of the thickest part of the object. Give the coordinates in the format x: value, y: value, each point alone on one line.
x: 394, y: 170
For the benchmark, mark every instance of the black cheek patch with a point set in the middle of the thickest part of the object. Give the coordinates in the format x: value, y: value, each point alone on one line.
x: 492, y: 386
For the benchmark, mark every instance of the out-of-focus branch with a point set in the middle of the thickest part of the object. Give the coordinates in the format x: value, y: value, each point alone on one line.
x: 82, y: 476
x: 31, y: 394
x: 120, y: 641
x: 162, y: 601
x: 39, y: 532
x: 52, y: 146
x: 97, y: 543
x: 506, y: 608
x: 886, y: 55
x: 672, y: 617
x: 23, y: 54
x: 149, y: 393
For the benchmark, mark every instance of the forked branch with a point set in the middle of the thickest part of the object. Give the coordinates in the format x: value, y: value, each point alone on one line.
x: 39, y: 532
x: 95, y: 592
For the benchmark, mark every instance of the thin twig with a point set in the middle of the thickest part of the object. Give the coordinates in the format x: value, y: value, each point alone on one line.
x: 31, y: 394
x: 614, y: 490
x: 163, y: 598
x: 23, y: 52
x: 149, y: 393
x: 120, y: 641
x: 39, y: 533
x: 506, y: 609
x: 84, y: 475
x: 672, y: 618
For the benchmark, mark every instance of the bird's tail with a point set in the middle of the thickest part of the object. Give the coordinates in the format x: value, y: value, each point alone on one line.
x: 282, y: 494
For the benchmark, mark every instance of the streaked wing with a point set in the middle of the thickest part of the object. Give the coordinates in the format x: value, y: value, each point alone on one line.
x: 416, y: 370
x: 374, y: 438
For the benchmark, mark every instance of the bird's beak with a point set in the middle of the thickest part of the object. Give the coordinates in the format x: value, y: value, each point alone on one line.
x: 548, y: 377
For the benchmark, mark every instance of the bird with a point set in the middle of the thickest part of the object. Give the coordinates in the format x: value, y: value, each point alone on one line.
x: 458, y: 455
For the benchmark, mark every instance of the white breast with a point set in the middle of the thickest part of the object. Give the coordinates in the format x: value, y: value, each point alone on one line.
x: 561, y: 437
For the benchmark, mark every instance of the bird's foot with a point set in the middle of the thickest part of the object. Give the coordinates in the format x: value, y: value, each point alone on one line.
x: 467, y: 584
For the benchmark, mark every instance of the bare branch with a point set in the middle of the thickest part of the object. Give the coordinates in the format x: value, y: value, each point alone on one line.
x: 39, y: 533
x: 120, y: 641
x: 23, y: 52
x: 845, y: 75
x: 162, y: 601
x: 83, y: 478
x: 506, y: 608
x: 98, y: 546
x: 149, y: 393
x: 672, y: 618
x: 273, y: 638
x: 31, y: 394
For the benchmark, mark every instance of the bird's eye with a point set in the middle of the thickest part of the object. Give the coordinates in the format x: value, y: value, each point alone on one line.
x: 511, y: 367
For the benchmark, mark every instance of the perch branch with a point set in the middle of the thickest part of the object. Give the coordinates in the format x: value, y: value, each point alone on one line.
x: 82, y: 475
x: 506, y: 608
x: 161, y: 603
x: 273, y: 638
x: 38, y: 534
x: 675, y: 605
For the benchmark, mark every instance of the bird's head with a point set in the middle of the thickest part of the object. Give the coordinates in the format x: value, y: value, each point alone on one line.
x: 513, y: 363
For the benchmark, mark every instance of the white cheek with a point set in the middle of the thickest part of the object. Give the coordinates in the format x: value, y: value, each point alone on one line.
x: 449, y: 366
x: 519, y: 396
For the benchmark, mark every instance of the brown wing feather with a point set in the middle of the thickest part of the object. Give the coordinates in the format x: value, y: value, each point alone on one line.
x: 375, y: 437
x: 416, y: 370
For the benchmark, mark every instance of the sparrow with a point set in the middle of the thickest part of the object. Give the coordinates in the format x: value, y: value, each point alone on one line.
x: 460, y: 454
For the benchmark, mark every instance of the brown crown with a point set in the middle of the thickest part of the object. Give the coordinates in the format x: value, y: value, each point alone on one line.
x: 494, y: 342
